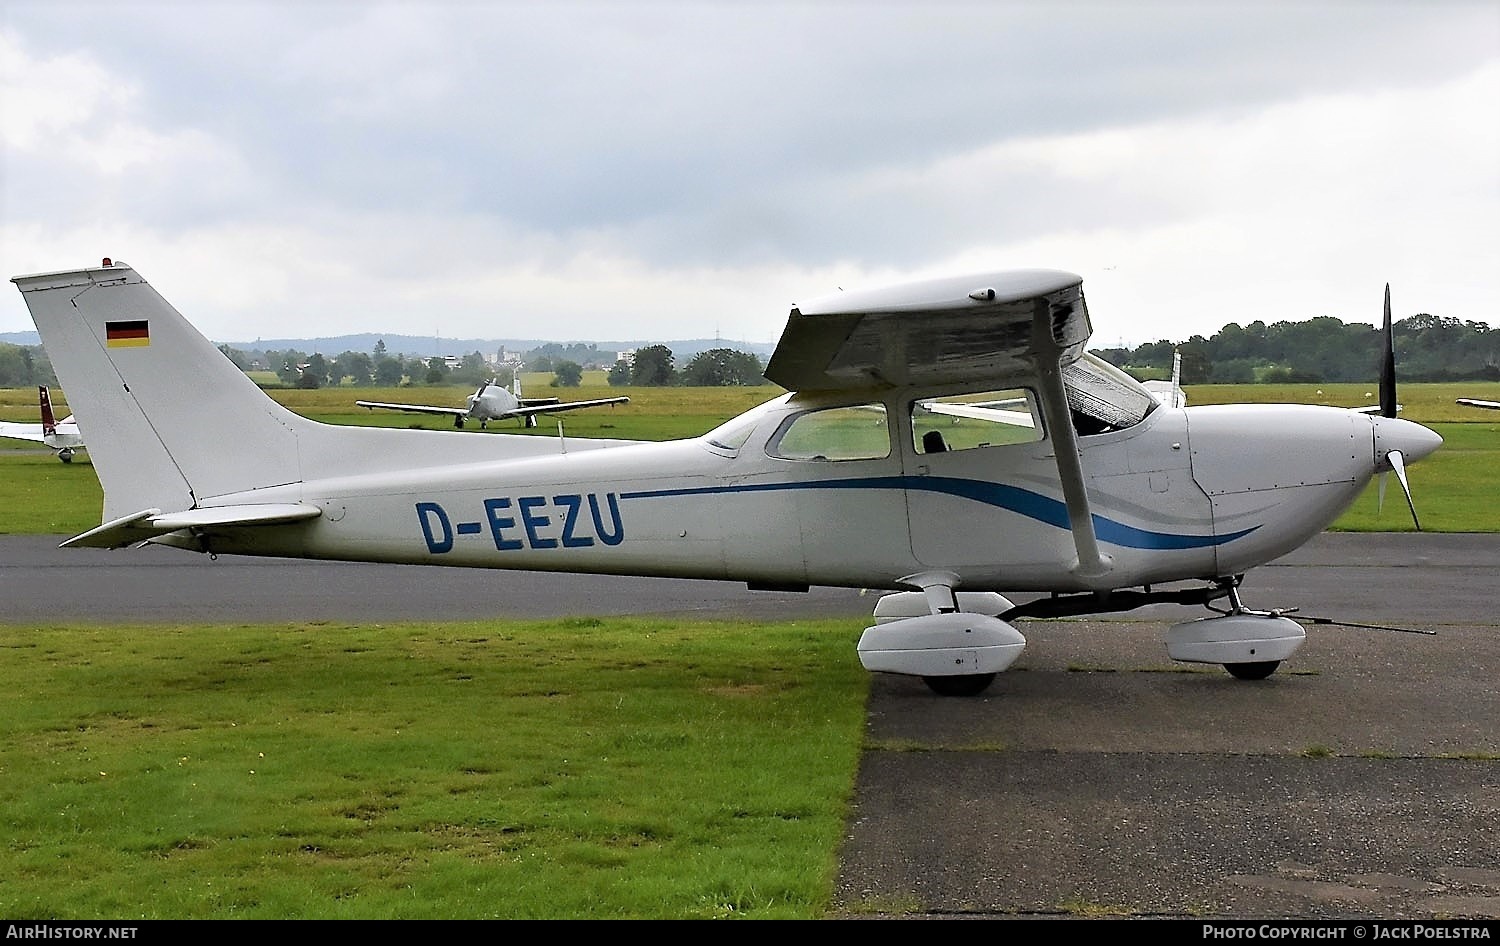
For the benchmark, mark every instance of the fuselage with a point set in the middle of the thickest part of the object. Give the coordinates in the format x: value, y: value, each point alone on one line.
x: 1180, y: 493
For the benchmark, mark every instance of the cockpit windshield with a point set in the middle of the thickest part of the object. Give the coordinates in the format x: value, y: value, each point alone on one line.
x: 732, y: 434
x: 1104, y: 398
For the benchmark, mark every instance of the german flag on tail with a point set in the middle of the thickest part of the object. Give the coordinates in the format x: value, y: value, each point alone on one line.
x: 133, y: 334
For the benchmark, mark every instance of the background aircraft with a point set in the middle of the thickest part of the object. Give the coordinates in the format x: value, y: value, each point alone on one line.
x: 62, y: 436
x: 1106, y: 500
x: 1475, y: 402
x: 493, y: 402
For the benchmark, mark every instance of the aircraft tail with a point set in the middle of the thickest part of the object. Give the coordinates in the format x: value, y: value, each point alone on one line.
x: 174, y: 425
x: 170, y: 420
x: 49, y: 422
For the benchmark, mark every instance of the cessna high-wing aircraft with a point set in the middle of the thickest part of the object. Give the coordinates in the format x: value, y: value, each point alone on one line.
x: 1104, y: 499
x: 61, y: 435
x: 493, y: 402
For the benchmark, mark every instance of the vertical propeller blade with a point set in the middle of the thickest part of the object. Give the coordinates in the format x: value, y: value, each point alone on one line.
x: 1388, y: 362
x: 1388, y: 408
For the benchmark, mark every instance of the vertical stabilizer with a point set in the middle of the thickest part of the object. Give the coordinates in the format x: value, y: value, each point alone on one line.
x: 49, y: 422
x: 171, y: 421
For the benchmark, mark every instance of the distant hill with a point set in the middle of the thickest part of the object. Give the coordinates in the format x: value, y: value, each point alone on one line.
x: 426, y: 347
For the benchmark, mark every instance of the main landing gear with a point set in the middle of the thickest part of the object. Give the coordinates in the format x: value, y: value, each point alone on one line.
x: 958, y: 642
x: 953, y: 641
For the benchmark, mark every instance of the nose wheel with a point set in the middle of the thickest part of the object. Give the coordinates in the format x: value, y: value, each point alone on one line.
x: 1250, y: 645
x: 969, y: 684
x: 1255, y: 670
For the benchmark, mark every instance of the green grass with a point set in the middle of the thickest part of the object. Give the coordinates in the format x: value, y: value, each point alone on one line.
x: 1455, y: 489
x: 580, y: 768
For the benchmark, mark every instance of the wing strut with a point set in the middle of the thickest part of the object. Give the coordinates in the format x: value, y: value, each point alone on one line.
x: 1092, y: 563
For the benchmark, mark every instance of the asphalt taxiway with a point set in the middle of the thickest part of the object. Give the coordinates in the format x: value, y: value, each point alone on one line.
x: 1095, y: 778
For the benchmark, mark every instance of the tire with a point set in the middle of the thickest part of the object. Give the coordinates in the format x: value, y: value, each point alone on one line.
x: 969, y: 684
x: 1256, y: 670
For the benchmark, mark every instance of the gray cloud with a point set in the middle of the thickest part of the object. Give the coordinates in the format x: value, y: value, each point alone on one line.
x: 804, y: 136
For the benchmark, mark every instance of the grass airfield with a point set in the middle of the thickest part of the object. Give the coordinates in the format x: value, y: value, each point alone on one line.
x: 589, y: 767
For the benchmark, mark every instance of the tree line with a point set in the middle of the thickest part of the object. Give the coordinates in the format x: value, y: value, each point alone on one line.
x: 1428, y: 348
x: 652, y: 366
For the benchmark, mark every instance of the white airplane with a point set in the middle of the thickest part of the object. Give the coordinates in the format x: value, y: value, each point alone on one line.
x: 60, y: 435
x: 493, y: 402
x: 1108, y: 500
x: 1475, y: 402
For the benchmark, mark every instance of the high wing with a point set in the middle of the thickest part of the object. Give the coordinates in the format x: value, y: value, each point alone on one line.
x: 1475, y: 402
x: 954, y: 330
x: 417, y: 408
x: 980, y: 330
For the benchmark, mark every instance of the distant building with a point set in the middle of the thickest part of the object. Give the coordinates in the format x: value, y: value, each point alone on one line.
x: 504, y: 359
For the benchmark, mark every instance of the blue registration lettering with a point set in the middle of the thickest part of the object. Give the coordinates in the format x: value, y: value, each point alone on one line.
x: 427, y: 515
x: 572, y: 503
x: 533, y: 521
x: 499, y: 523
x: 608, y: 538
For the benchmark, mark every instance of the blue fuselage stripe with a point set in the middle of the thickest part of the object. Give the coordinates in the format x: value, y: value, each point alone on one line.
x: 1021, y: 501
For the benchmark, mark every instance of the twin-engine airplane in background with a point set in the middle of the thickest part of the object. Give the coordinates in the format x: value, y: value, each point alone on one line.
x: 493, y: 402
x: 1073, y: 480
x: 61, y: 436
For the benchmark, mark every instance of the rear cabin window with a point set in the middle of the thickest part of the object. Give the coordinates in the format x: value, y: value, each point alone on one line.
x: 837, y: 433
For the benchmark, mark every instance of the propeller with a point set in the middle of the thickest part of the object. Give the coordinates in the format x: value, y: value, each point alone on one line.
x: 1388, y: 408
x: 1388, y: 362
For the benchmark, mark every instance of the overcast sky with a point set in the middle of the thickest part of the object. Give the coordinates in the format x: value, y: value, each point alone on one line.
x: 671, y: 170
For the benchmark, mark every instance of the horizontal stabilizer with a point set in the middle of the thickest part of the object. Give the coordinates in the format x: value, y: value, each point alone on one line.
x: 150, y: 523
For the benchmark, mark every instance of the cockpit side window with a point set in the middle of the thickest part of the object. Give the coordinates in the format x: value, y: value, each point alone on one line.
x: 838, y: 433
x: 970, y: 421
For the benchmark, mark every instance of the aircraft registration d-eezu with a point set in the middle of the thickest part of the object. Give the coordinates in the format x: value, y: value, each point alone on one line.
x: 947, y: 440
